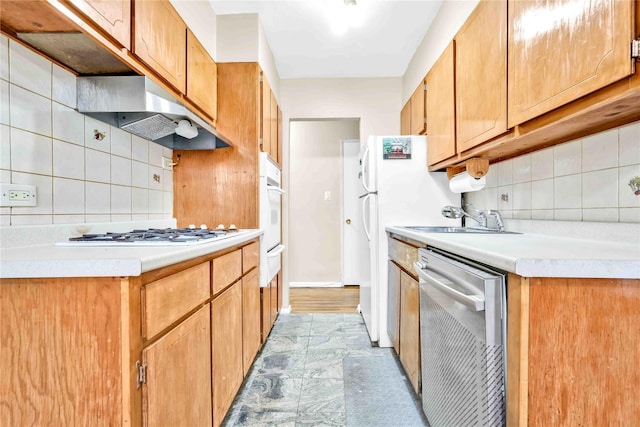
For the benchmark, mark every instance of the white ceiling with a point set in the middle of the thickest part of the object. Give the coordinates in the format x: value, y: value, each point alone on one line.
x: 304, y: 46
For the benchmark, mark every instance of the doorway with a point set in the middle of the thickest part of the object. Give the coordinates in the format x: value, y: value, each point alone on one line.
x: 316, y: 200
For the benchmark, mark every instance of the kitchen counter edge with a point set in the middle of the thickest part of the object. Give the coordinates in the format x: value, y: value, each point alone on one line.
x: 49, y: 260
x: 534, y: 255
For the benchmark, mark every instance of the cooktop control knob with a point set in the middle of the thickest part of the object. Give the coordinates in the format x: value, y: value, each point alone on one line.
x: 203, y: 226
x: 232, y: 227
x: 192, y: 226
x: 220, y: 226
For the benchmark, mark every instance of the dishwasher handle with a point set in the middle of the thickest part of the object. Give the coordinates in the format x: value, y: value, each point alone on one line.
x: 474, y: 302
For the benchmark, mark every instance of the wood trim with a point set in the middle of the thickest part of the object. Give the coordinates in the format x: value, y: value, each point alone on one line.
x: 517, y: 350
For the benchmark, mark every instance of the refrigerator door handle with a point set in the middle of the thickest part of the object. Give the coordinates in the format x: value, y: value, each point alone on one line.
x: 365, y: 175
x: 364, y: 215
x: 367, y: 194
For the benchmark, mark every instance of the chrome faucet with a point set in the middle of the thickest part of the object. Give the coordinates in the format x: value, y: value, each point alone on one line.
x: 472, y: 212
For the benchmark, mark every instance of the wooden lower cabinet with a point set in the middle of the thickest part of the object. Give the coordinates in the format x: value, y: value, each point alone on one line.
x: 410, y: 328
x: 251, y: 332
x: 393, y: 304
x: 226, y: 344
x: 177, y: 389
x: 573, y: 352
x: 160, y: 349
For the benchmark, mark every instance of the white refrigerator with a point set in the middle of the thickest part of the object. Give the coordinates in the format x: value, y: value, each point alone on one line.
x: 397, y: 189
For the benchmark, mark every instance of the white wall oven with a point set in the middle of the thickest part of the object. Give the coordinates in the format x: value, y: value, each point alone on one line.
x: 271, y: 246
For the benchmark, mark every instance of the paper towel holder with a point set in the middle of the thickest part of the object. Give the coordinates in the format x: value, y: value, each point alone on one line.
x: 476, y: 167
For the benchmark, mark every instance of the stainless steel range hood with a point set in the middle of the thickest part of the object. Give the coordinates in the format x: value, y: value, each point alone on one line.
x: 141, y: 107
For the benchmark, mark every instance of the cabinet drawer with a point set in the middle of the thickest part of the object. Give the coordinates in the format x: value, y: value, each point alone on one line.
x: 404, y: 254
x: 226, y: 269
x: 168, y: 299
x: 250, y: 256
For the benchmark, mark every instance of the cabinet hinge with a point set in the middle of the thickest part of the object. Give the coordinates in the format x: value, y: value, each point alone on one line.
x: 261, y: 78
x: 141, y: 374
x: 635, y: 49
x: 424, y: 87
x: 260, y: 142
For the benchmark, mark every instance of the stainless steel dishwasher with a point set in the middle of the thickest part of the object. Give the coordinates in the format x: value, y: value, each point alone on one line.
x: 463, y: 335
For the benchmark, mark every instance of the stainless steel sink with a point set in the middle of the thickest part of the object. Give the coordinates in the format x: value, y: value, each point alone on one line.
x: 425, y: 229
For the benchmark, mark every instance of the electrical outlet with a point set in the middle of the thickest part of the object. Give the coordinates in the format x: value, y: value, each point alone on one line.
x: 18, y: 195
x: 167, y: 163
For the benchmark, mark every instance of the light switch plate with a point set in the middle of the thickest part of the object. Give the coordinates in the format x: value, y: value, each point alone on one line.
x: 18, y: 195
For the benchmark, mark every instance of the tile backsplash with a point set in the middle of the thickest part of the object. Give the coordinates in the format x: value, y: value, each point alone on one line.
x: 582, y: 180
x: 84, y: 170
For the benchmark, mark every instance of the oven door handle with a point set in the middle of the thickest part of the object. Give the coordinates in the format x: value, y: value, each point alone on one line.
x: 276, y: 189
x: 275, y: 251
x: 474, y: 302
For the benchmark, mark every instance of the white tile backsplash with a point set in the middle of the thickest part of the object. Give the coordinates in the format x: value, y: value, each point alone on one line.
x: 600, y: 189
x: 29, y: 111
x: 600, y: 151
x: 98, y: 166
x: 68, y: 124
x: 567, y: 158
x: 29, y: 70
x: 5, y: 147
x: 97, y: 199
x: 582, y: 180
x: 139, y: 149
x: 31, y: 152
x: 64, y: 87
x: 5, y: 105
x: 542, y: 164
x: 68, y: 160
x: 629, y: 141
x: 45, y: 142
x: 121, y: 170
x: 4, y: 57
x: 68, y: 196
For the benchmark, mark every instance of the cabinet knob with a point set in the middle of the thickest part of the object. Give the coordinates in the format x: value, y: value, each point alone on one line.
x: 348, y: 221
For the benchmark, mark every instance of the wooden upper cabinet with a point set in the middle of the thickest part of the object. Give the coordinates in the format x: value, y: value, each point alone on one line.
x: 273, y: 152
x: 481, y: 75
x: 202, y: 76
x: 418, y: 105
x: 405, y: 119
x: 265, y: 116
x: 560, y: 51
x: 114, y: 17
x: 160, y: 40
x: 279, y: 143
x: 441, y: 108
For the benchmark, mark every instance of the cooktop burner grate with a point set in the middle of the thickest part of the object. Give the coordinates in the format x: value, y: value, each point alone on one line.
x: 157, y: 235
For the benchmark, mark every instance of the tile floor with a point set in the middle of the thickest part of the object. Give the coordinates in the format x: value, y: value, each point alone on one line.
x: 298, y: 378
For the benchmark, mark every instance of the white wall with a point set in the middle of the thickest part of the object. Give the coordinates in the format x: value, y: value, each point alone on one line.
x: 446, y: 24
x: 201, y: 20
x: 316, y: 223
x: 237, y: 38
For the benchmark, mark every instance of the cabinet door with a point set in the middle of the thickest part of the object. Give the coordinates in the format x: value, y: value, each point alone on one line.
x: 266, y: 115
x: 114, y: 17
x: 565, y: 49
x: 250, y: 318
x: 410, y: 328
x: 405, y: 119
x: 178, y: 386
x: 393, y: 305
x: 441, y: 108
x: 226, y: 341
x: 481, y: 75
x: 279, y: 141
x: 273, y: 151
x: 160, y: 40
x: 202, y: 76
x: 265, y: 311
x: 274, y: 300
x: 418, y: 104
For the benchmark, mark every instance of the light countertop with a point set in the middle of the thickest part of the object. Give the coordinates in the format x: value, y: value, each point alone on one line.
x: 542, y: 255
x: 51, y: 260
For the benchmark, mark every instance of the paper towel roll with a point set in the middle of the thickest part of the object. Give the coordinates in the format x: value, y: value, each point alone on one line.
x: 464, y: 183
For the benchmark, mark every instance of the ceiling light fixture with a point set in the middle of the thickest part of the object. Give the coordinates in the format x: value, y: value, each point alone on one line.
x: 344, y: 15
